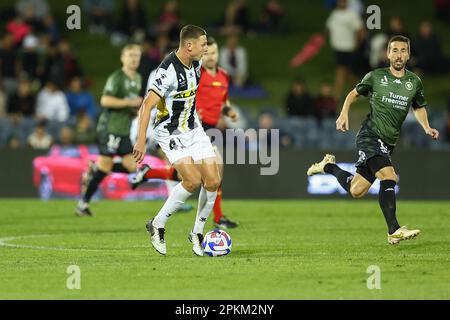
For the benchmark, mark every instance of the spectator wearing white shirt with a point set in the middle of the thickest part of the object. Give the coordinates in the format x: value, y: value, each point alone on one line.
x: 40, y: 139
x: 345, y: 28
x: 233, y: 58
x: 52, y: 104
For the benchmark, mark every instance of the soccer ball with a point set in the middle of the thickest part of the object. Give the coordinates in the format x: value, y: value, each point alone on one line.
x: 217, y: 243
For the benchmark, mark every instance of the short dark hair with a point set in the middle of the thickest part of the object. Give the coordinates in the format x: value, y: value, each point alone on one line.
x: 211, y: 41
x: 191, y: 32
x: 399, y: 38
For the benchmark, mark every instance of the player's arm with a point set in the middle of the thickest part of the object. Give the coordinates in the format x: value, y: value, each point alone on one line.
x: 420, y: 112
x: 363, y: 88
x: 150, y: 101
x: 342, y: 120
x: 108, y: 101
x: 422, y: 118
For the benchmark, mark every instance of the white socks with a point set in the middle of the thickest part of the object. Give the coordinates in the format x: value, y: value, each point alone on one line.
x: 176, y: 198
x: 206, y: 202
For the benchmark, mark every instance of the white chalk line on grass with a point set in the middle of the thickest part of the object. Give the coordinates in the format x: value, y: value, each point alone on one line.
x: 5, y: 242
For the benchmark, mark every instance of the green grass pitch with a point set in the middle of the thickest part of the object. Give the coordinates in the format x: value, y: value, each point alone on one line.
x: 282, y: 250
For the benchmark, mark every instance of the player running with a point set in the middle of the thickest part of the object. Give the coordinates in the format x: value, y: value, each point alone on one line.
x: 392, y: 92
x: 211, y: 102
x: 120, y: 101
x: 180, y: 135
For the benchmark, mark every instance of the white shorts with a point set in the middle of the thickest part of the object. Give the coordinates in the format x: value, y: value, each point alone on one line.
x: 194, y: 143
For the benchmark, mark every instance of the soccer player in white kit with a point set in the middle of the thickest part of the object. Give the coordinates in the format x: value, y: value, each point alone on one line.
x: 180, y: 135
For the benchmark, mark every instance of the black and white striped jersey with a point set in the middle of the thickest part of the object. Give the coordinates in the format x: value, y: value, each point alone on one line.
x: 176, y: 84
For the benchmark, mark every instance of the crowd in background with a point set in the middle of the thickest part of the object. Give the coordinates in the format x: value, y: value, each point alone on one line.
x: 45, y: 93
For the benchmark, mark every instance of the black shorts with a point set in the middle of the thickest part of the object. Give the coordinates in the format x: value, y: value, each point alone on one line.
x: 111, y: 145
x: 344, y: 58
x: 206, y: 127
x: 374, y: 154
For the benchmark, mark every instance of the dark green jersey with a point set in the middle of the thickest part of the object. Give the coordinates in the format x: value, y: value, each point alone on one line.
x: 118, y: 121
x: 390, y: 100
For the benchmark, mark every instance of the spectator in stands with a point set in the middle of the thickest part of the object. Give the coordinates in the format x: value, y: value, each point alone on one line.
x: 132, y: 22
x: 99, y: 14
x: 442, y: 9
x: 266, y: 120
x: 346, y: 31
x: 51, y: 29
x: 80, y: 100
x: 271, y: 17
x: 3, y: 102
x: 237, y: 18
x: 65, y: 137
x: 325, y: 104
x: 170, y: 20
x: 70, y: 62
x: 33, y: 11
x: 53, y: 66
x: 22, y: 102
x: 9, y: 64
x: 233, y: 58
x: 40, y: 139
x: 30, y: 56
x: 396, y: 27
x: 84, y: 131
x: 18, y: 28
x: 15, y: 142
x: 428, y: 53
x: 52, y: 103
x: 299, y: 102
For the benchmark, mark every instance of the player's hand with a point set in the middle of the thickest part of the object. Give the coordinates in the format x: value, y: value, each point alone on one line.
x: 234, y: 116
x: 135, y: 102
x: 433, y: 133
x: 342, y: 122
x: 139, y: 151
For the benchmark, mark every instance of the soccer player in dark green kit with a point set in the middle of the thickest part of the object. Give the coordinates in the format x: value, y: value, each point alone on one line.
x: 392, y: 92
x: 120, y: 101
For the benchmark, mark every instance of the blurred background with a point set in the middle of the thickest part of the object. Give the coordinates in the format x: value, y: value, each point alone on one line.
x: 283, y: 70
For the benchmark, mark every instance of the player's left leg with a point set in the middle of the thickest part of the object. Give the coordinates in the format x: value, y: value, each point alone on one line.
x: 210, y: 183
x: 387, y: 199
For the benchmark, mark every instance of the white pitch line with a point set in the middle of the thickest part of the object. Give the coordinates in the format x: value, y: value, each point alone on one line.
x: 4, y: 243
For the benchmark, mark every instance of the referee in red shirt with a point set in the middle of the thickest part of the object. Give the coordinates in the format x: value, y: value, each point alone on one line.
x: 211, y: 103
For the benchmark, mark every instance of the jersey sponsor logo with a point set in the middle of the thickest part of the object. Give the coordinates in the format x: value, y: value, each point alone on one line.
x: 185, y: 94
x: 397, y: 81
x: 409, y: 86
x: 384, y: 81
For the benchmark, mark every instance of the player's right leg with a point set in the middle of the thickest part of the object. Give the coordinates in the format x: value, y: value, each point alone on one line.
x: 99, y: 171
x: 191, y: 181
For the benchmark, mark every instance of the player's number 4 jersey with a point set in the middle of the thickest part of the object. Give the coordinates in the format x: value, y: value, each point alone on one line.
x: 176, y: 84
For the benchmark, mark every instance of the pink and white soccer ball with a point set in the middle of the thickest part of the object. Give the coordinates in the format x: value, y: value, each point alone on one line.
x: 217, y: 243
